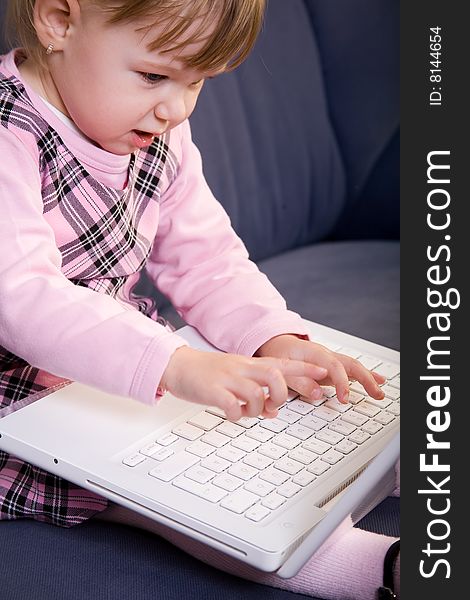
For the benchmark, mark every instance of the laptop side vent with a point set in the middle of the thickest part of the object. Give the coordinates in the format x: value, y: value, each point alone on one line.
x: 340, y: 488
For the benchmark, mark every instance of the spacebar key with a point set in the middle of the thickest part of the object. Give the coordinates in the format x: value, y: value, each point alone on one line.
x: 174, y: 466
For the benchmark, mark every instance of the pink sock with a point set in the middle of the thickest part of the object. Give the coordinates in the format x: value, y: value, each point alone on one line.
x: 349, y: 564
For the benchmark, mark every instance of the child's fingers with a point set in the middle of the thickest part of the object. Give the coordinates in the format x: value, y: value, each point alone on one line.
x: 367, y: 378
x: 250, y: 394
x: 296, y: 368
x: 230, y: 404
x: 305, y: 387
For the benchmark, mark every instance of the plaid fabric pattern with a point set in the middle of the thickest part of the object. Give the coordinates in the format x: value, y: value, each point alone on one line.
x: 104, y: 236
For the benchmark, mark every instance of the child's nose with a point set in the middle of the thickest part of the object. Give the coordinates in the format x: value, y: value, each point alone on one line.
x: 173, y: 109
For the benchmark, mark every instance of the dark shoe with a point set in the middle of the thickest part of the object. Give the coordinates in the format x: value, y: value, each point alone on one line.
x: 386, y: 592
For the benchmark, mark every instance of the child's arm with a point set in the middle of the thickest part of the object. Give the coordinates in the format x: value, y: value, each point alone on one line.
x: 68, y: 330
x: 202, y: 265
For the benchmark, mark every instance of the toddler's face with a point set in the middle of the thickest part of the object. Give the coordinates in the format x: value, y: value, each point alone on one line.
x: 118, y: 92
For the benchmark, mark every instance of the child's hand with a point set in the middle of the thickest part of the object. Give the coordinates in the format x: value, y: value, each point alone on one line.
x: 340, y: 368
x: 235, y: 383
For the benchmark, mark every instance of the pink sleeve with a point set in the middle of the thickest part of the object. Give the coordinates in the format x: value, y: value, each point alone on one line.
x: 70, y: 331
x: 203, y: 267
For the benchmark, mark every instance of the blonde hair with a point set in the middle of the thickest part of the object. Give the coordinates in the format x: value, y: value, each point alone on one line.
x: 238, y: 23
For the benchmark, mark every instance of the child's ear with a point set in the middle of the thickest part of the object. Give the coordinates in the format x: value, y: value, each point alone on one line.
x: 53, y: 20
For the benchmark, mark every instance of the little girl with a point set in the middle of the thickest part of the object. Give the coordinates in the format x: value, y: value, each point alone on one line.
x: 99, y: 179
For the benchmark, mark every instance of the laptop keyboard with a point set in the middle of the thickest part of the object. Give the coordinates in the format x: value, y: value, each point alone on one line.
x: 252, y: 467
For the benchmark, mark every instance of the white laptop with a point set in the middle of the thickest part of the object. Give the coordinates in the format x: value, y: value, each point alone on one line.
x: 265, y: 491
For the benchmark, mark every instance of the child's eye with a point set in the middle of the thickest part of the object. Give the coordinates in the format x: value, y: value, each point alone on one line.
x: 152, y: 77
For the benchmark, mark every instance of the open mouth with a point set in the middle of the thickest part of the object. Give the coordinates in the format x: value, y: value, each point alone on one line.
x: 142, y: 138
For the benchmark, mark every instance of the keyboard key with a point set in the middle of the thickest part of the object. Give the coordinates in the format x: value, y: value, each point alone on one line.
x: 227, y: 482
x: 167, y: 439
x: 286, y: 441
x: 276, y: 425
x: 216, y: 463
x: 394, y: 409
x: 369, y: 362
x: 288, y: 465
x: 316, y: 446
x: 162, y: 454
x: 175, y: 465
x: 354, y: 418
x: 318, y: 467
x: 358, y: 388
x: 332, y: 456
x: 359, y: 437
x: 243, y: 471
x: 384, y: 418
x: 230, y: 453
x: 313, y: 422
x: 388, y: 370
x: 257, y: 513
x: 274, y: 476
x: 379, y: 403
x: 328, y: 436
x: 134, y: 459
x: 272, y: 451
x: 329, y: 391
x: 259, y: 487
x: 239, y: 501
x: 260, y: 434
x: 355, y: 397
x: 215, y: 410
x: 245, y: 443
x: 366, y: 409
x: 231, y: 429
x: 372, y: 427
x: 390, y: 391
x: 215, y: 439
x: 208, y: 491
x: 247, y: 422
x: 150, y: 449
x: 395, y: 382
x: 345, y: 446
x: 335, y: 404
x: 188, y: 432
x: 303, y: 478
x: 200, y: 449
x: 257, y: 460
x: 342, y: 427
x: 299, y: 431
x: 205, y: 421
x: 303, y: 455
x: 303, y: 408
x: 326, y: 413
x: 288, y: 489
x: 273, y: 501
x: 200, y: 474
x: 289, y: 416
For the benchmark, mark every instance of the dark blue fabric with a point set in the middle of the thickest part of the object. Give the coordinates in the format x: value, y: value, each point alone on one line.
x: 350, y: 286
x: 270, y: 153
x: 105, y: 561
x: 359, y: 44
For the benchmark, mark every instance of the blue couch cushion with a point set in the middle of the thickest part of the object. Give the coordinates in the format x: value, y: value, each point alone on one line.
x: 353, y: 286
x: 269, y: 150
x: 359, y: 44
x: 105, y: 561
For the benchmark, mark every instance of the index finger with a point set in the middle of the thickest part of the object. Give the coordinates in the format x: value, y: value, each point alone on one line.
x: 296, y: 368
